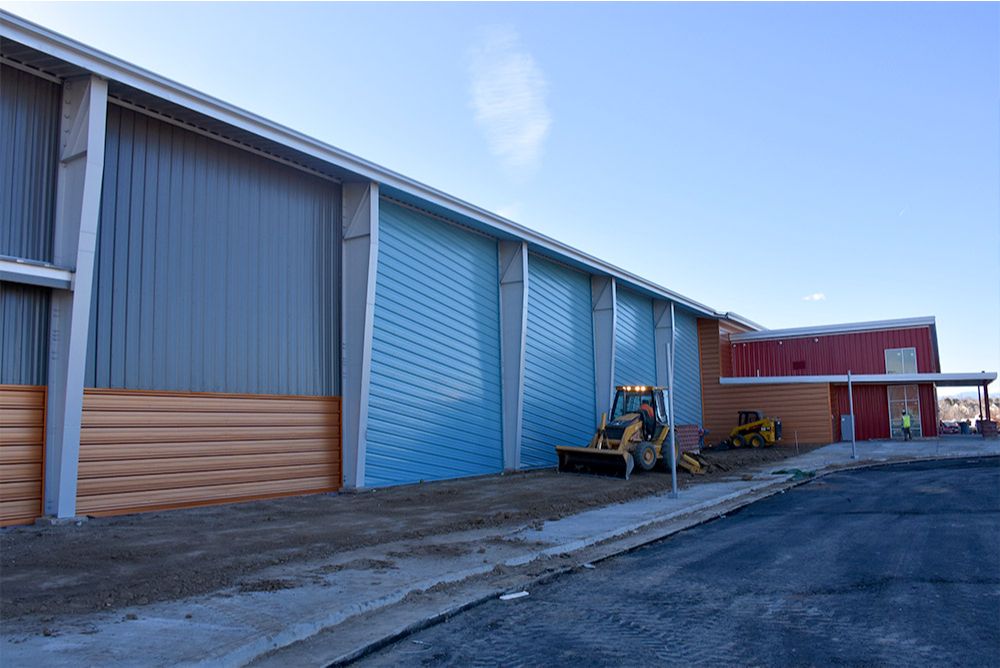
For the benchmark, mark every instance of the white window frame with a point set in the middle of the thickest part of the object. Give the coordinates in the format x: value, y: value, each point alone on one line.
x: 902, y: 352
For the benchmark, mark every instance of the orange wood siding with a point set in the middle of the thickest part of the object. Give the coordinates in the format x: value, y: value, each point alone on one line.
x: 154, y: 450
x: 802, y: 408
x: 22, y: 446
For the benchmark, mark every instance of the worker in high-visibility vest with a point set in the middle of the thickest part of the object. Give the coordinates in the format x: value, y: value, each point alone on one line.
x: 906, y: 426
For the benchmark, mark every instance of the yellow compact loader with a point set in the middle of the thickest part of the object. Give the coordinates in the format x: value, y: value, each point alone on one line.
x: 755, y: 430
x: 635, y: 436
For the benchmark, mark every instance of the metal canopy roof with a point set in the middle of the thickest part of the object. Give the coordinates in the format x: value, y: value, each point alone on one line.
x: 940, y: 379
x: 28, y: 45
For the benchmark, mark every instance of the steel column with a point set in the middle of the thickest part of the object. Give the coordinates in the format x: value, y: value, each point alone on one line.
x: 513, y: 256
x: 663, y: 334
x: 604, y: 302
x: 359, y: 269
x: 78, y: 204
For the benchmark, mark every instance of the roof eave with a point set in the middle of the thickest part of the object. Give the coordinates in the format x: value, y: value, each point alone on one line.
x: 112, y: 68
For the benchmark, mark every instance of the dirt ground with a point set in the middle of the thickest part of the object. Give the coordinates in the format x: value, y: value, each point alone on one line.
x: 107, y: 563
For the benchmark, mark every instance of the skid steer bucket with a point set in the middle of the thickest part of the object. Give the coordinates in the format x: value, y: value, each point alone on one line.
x: 594, y: 460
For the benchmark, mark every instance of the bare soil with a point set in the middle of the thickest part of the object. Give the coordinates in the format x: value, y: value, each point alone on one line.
x: 108, y: 563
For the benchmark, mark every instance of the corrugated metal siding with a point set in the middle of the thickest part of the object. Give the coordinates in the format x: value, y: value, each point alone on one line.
x: 559, y: 362
x: 928, y: 410
x: 22, y: 441
x: 871, y: 411
x: 153, y: 450
x: 687, y: 369
x: 805, y: 409
x: 24, y: 334
x: 217, y: 270
x: 861, y: 352
x: 635, y: 360
x: 29, y: 144
x: 435, y: 403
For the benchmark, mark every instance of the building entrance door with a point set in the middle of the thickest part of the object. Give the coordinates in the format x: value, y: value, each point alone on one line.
x: 900, y: 397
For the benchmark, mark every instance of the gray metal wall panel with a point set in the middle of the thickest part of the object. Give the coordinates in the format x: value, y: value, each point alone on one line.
x: 24, y: 334
x: 217, y: 270
x: 687, y: 369
x: 29, y: 136
x: 435, y: 400
x: 559, y: 362
x: 635, y: 360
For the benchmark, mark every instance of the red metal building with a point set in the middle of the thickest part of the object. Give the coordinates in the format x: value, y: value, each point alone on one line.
x: 891, y: 365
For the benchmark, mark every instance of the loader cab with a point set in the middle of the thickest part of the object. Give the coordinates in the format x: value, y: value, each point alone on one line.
x: 749, y: 417
x: 628, y: 399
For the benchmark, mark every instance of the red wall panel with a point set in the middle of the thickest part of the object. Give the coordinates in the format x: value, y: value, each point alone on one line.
x: 860, y: 352
x: 928, y: 410
x: 871, y: 410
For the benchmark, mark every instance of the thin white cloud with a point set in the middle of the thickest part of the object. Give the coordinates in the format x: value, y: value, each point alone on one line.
x: 507, y: 91
x: 814, y: 297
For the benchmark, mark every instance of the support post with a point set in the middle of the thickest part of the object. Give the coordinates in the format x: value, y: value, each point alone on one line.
x: 604, y: 304
x: 360, y: 265
x: 83, y: 120
x: 673, y: 432
x: 663, y: 334
x: 850, y: 399
x: 986, y: 402
x: 513, y: 256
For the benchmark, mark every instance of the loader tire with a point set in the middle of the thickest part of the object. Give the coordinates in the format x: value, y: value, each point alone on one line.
x: 645, y: 456
x: 756, y: 441
x: 737, y: 441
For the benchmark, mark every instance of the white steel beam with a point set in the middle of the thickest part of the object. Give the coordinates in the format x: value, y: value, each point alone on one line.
x: 604, y: 302
x: 663, y: 334
x: 17, y: 270
x: 513, y: 256
x: 359, y: 269
x: 78, y: 202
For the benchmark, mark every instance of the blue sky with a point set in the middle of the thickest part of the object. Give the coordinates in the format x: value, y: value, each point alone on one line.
x: 797, y: 163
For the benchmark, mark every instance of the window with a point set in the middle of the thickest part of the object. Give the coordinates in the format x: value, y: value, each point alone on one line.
x: 900, y: 397
x: 901, y: 360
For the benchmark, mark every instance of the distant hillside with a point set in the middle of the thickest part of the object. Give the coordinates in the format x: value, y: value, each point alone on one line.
x: 958, y: 410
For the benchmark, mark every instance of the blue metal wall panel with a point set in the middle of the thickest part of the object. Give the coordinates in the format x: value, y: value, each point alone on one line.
x: 24, y: 334
x: 217, y: 270
x: 634, y: 347
x: 687, y: 369
x: 434, y: 406
x: 559, y: 362
x: 29, y: 144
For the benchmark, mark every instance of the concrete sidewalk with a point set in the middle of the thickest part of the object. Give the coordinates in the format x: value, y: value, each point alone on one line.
x: 324, y: 612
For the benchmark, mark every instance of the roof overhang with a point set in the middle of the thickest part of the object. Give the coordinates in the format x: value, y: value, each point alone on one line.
x: 827, y: 330
x: 59, y: 56
x: 939, y: 379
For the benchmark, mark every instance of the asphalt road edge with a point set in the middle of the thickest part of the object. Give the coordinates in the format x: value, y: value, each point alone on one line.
x: 626, y: 539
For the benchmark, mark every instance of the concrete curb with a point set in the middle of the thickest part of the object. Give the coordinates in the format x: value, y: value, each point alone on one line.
x: 668, y: 525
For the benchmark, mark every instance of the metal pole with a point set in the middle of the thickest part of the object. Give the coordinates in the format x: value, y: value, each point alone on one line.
x: 670, y: 402
x: 850, y: 399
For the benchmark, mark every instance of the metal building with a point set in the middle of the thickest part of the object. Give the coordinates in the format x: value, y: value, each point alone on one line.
x: 199, y: 306
x: 802, y: 375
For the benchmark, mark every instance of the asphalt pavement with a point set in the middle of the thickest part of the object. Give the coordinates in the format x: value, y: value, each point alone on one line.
x: 895, y: 565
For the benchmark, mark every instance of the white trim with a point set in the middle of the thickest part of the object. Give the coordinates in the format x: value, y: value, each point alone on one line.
x: 112, y: 68
x: 956, y: 379
x: 825, y: 330
x: 35, y: 273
